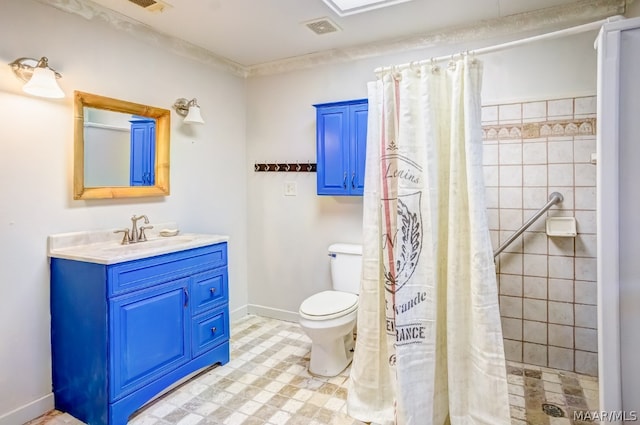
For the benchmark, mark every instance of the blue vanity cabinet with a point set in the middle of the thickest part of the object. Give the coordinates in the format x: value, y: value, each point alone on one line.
x: 341, y: 140
x: 143, y: 152
x: 122, y: 333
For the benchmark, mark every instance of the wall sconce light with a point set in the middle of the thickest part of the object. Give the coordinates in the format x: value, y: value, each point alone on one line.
x: 189, y: 109
x: 40, y: 78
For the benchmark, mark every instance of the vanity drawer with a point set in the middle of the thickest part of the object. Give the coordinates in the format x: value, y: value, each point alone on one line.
x: 209, y: 289
x: 209, y: 330
x: 139, y: 274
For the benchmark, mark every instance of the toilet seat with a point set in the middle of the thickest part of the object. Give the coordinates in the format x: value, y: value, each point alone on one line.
x: 328, y: 305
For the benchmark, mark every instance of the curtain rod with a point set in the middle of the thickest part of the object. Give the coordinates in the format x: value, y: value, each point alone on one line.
x: 490, y: 49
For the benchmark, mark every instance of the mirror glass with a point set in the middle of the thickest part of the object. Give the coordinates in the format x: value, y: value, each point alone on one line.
x: 121, y: 148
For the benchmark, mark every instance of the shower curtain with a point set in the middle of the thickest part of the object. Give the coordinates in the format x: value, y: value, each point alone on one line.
x: 429, y: 349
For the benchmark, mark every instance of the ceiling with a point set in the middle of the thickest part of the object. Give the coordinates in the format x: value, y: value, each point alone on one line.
x: 255, y: 32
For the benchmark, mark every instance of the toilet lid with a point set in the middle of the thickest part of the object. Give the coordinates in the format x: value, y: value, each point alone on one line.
x: 328, y: 304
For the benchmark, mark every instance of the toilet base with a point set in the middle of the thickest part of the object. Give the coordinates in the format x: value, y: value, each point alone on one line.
x: 332, y: 344
x: 333, y: 358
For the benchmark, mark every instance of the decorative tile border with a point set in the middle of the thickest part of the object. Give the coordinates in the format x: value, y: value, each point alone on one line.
x: 534, y: 130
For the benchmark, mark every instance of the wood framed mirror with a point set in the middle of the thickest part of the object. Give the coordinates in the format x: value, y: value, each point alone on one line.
x: 121, y: 149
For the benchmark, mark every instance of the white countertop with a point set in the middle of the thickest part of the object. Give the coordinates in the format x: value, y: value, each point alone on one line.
x: 104, y: 246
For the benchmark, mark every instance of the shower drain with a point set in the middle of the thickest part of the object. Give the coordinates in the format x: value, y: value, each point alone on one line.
x: 552, y: 410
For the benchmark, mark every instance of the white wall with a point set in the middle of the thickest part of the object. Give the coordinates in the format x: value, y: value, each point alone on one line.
x: 208, y: 177
x: 288, y: 236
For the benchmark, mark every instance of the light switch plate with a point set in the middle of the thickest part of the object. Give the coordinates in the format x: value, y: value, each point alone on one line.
x: 290, y: 189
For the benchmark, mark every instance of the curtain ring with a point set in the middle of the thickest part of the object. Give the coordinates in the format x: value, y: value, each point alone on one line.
x: 415, y: 68
x: 396, y: 73
x: 434, y: 66
x: 452, y: 63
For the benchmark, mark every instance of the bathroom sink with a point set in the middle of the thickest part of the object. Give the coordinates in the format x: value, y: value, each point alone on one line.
x: 150, y: 245
x: 104, y: 249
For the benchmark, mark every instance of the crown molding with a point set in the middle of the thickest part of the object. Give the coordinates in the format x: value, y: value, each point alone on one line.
x: 94, y: 12
x: 558, y: 17
x: 553, y: 18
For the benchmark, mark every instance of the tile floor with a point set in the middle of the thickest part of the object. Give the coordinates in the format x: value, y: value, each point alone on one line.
x: 267, y: 383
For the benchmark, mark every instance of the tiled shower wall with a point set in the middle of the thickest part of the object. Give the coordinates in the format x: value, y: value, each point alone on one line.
x: 547, y: 284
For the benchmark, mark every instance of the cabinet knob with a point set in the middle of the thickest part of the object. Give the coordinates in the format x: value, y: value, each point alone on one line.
x: 212, y: 290
x: 213, y: 330
x: 344, y: 181
x: 353, y: 180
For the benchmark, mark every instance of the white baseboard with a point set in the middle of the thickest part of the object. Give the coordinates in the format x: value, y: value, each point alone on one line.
x: 28, y: 412
x: 238, y: 313
x: 273, y: 313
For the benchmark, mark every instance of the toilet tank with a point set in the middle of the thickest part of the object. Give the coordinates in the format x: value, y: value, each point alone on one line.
x: 346, y: 267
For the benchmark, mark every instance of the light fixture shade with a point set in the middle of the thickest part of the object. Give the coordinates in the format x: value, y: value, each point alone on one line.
x: 194, y: 116
x: 43, y: 83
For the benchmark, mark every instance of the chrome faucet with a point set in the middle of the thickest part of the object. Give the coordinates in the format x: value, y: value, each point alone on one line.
x: 134, y: 235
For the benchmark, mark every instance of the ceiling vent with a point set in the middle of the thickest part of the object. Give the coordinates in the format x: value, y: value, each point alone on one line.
x: 322, y: 26
x: 150, y: 5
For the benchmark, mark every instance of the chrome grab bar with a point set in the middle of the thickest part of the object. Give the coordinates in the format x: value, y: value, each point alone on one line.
x: 554, y: 198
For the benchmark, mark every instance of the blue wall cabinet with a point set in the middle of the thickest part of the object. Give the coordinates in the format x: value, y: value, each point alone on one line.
x: 143, y: 151
x: 124, y: 332
x: 341, y: 139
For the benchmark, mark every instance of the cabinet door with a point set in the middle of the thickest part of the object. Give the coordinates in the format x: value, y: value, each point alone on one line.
x: 358, y: 147
x: 143, y: 140
x: 150, y: 331
x: 341, y: 137
x: 332, y: 131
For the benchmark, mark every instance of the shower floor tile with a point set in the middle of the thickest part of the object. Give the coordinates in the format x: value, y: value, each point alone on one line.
x: 267, y: 383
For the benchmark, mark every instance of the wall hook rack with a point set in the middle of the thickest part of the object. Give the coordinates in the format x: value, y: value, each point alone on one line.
x: 296, y: 167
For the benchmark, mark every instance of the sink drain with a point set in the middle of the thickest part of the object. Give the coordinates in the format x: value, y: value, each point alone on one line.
x: 552, y: 410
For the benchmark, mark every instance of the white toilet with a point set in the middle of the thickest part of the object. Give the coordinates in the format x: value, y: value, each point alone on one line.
x: 329, y: 317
